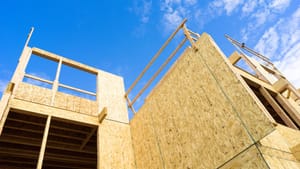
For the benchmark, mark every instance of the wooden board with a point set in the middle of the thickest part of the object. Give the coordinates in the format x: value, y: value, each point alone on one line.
x: 111, y: 95
x: 276, y: 150
x: 115, y: 146
x: 198, y: 116
x: 250, y: 158
x: 64, y: 101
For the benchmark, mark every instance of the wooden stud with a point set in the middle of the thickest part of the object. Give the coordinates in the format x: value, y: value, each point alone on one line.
x: 277, y: 108
x: 55, y: 83
x: 294, y: 114
x: 102, y: 114
x: 234, y: 58
x: 44, y: 142
x: 155, y: 57
x: 254, y: 79
x: 281, y: 85
x: 87, y: 139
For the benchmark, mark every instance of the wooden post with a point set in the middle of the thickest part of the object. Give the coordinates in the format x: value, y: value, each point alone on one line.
x: 277, y: 108
x: 55, y: 83
x: 44, y: 142
x: 98, y: 147
x: 294, y: 114
x: 98, y: 91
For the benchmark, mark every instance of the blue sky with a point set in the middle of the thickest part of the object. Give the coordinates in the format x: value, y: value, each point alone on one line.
x: 122, y: 36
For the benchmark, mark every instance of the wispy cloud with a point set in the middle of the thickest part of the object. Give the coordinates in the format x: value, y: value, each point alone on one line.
x: 3, y: 84
x: 142, y: 8
x: 225, y: 5
x: 174, y: 11
x: 281, y: 42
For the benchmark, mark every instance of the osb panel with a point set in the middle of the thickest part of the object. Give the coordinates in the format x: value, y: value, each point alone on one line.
x: 275, y: 140
x: 276, y: 151
x: 194, y: 122
x: 144, y: 139
x: 115, y: 146
x: 74, y: 103
x: 33, y: 93
x: 292, y: 138
x: 248, y: 159
x: 246, y: 105
x: 111, y: 95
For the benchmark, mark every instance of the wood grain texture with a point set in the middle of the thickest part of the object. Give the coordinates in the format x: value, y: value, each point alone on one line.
x: 115, y: 147
x: 199, y: 115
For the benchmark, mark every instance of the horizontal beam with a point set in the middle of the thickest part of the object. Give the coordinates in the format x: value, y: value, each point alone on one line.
x: 254, y: 79
x: 38, y: 78
x: 69, y: 62
x: 18, y: 105
x: 37, y: 143
x: 77, y: 90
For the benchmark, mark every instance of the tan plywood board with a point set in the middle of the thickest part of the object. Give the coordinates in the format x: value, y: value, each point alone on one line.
x: 65, y: 101
x: 276, y: 150
x: 115, y: 145
x: 195, y: 123
x: 33, y: 93
x: 111, y: 95
x: 250, y: 158
x: 246, y: 105
x: 144, y: 139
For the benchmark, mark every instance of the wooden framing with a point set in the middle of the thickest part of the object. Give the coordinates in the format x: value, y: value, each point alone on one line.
x: 44, y: 142
x: 69, y: 62
x: 289, y: 108
x: 277, y: 108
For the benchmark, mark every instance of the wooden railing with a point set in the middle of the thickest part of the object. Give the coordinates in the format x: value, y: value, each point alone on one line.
x: 189, y: 35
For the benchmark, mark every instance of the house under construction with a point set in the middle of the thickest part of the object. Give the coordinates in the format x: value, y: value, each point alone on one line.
x: 206, y: 112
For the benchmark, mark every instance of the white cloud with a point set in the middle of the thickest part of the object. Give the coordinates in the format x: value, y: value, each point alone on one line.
x: 190, y: 2
x: 174, y: 11
x: 268, y: 44
x: 249, y: 6
x: 228, y: 5
x: 142, y: 8
x: 3, y: 84
x: 281, y: 43
x: 172, y: 20
x: 279, y: 5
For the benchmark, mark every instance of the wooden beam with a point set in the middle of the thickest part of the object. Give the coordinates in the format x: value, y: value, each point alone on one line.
x: 69, y: 62
x: 44, y: 142
x: 281, y: 85
x: 277, y: 108
x: 254, y: 79
x: 87, y: 139
x: 102, y: 114
x: 234, y: 58
x: 294, y: 114
x: 50, y: 144
x: 26, y: 106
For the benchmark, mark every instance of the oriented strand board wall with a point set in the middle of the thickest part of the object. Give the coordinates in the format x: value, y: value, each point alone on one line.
x: 275, y: 149
x: 199, y: 116
x: 112, y: 92
x: 115, y: 146
x: 250, y: 158
x: 64, y: 101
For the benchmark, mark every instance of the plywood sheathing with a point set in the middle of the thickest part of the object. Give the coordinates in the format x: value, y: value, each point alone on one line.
x: 199, y: 115
x: 111, y: 95
x: 246, y: 104
x: 292, y: 138
x: 250, y: 158
x: 276, y: 150
x: 65, y: 101
x: 114, y: 145
x: 27, y: 106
